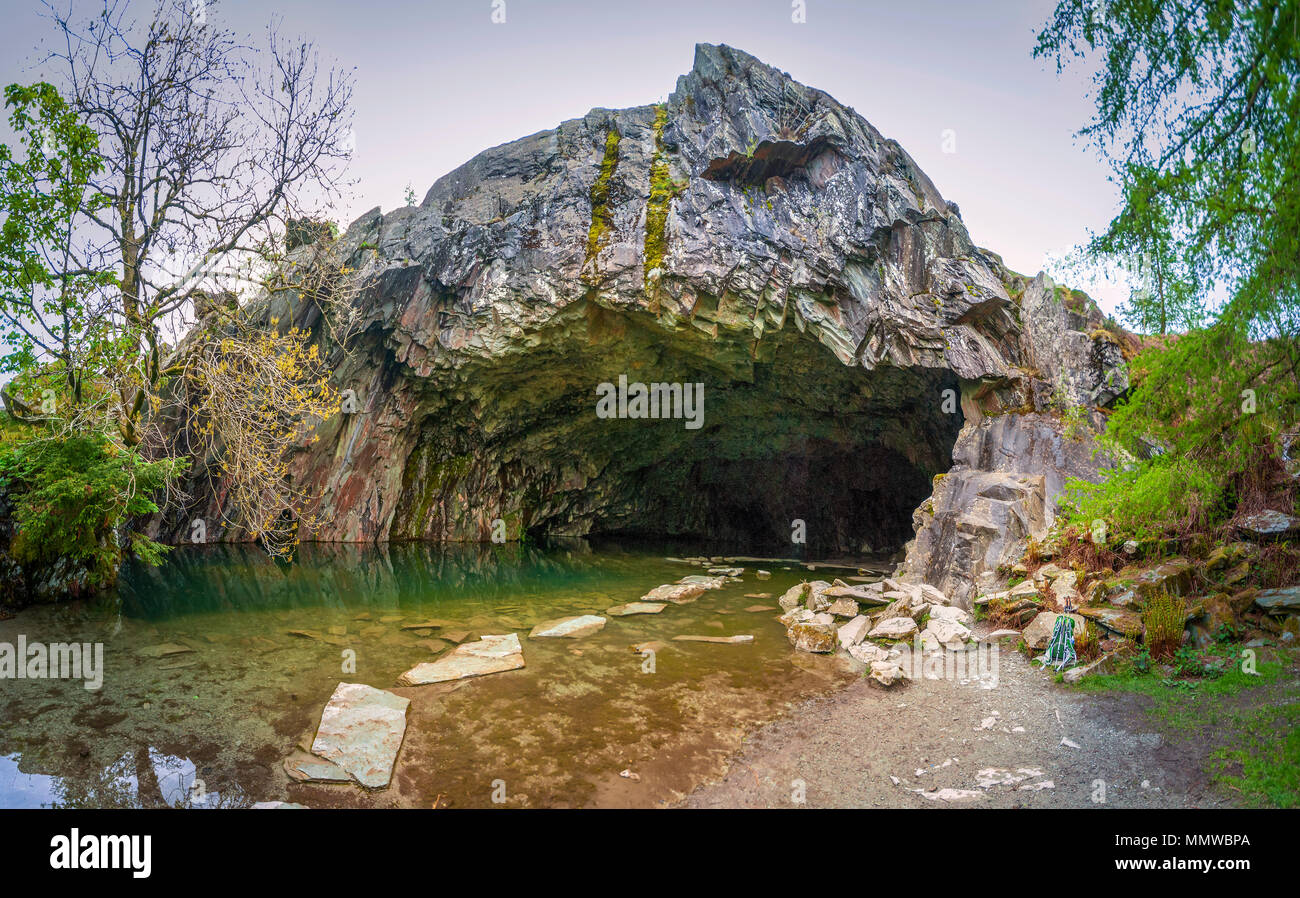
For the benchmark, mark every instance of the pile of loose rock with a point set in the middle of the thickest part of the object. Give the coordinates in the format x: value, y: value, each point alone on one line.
x: 873, y: 623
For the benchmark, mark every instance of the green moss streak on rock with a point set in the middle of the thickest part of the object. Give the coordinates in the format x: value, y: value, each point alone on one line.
x: 662, y: 191
x: 428, y: 480
x: 600, y: 216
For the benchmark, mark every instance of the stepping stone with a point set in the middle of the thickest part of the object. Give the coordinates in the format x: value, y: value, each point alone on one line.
x: 307, y: 768
x: 636, y: 608
x: 361, y: 731
x: 491, y: 654
x: 455, y: 635
x: 758, y: 595
x: 164, y: 650
x: 160, y: 651
x: 568, y: 627
x: 725, y: 640
x: 677, y: 593
x: 701, y: 580
x: 423, y: 625
x: 755, y: 609
x: 306, y: 634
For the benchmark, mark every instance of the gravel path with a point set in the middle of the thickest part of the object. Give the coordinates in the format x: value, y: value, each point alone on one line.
x: 939, y: 738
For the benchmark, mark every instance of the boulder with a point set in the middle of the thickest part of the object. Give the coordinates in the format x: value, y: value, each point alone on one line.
x: 886, y: 673
x: 1117, y: 620
x: 894, y: 628
x: 1279, y: 601
x: 854, y: 631
x: 950, y: 613
x: 946, y: 632
x: 812, y: 637
x: 1269, y: 524
x: 843, y: 608
x: 867, y: 652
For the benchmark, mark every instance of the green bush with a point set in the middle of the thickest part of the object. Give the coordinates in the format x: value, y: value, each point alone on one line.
x: 70, y: 498
x: 1150, y: 500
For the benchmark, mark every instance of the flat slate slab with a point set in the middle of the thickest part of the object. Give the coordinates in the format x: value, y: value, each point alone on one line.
x: 677, y: 593
x: 304, y: 768
x: 701, y: 580
x: 568, y: 627
x: 491, y: 654
x: 636, y: 608
x: 162, y: 651
x: 1276, y: 600
x: 361, y: 730
x: 725, y: 640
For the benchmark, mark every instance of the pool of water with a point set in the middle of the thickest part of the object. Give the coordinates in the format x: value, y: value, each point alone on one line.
x: 210, y: 722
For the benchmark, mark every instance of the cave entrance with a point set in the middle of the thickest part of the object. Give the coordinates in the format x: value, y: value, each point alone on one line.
x: 791, y: 442
x: 799, y: 446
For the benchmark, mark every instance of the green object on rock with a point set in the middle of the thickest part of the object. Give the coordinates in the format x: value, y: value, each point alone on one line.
x: 1060, y: 650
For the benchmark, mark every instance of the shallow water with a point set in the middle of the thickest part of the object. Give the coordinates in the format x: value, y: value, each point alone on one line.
x: 212, y: 726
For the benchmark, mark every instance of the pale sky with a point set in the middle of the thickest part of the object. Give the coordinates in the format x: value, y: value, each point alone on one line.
x: 437, y: 81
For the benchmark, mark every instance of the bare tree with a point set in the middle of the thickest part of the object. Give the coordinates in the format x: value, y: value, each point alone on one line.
x: 210, y: 146
x: 211, y: 149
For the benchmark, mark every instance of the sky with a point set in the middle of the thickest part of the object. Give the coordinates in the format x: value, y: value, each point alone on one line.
x: 955, y: 82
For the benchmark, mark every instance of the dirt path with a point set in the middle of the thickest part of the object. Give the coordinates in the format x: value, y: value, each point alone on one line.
x: 870, y: 747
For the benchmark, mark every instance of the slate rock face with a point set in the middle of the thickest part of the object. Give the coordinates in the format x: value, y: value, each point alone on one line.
x: 752, y: 235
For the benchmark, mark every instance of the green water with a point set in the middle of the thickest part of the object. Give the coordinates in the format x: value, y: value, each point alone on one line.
x: 212, y: 725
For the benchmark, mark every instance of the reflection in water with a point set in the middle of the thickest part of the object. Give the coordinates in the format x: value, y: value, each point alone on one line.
x: 353, y: 577
x: 217, y: 666
x: 144, y: 778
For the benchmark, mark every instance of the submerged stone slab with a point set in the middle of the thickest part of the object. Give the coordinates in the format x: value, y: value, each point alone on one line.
x: 163, y: 650
x: 491, y: 654
x: 701, y: 580
x: 676, y: 593
x: 636, y: 608
x: 568, y: 627
x: 361, y: 730
x: 302, y: 767
x: 725, y: 640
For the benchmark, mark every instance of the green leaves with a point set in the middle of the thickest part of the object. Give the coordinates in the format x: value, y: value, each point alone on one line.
x: 71, y: 497
x: 47, y: 312
x: 1198, y: 111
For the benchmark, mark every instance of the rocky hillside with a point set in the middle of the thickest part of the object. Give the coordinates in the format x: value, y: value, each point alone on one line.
x: 752, y: 235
